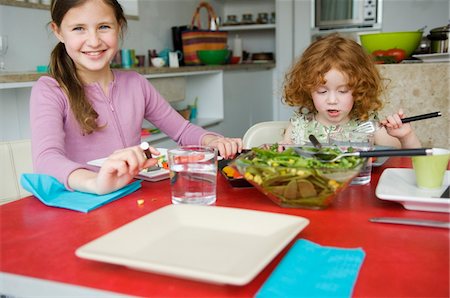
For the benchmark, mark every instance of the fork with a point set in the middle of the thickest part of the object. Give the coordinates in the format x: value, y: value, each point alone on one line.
x: 371, y: 126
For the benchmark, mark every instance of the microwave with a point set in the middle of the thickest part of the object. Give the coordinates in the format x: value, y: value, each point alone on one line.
x: 335, y: 14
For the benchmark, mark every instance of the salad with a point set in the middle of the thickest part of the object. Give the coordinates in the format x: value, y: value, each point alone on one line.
x: 292, y: 180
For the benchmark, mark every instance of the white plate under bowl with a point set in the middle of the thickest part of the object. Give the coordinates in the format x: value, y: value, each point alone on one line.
x: 208, y: 243
x: 433, y: 58
x: 153, y: 176
x: 399, y: 185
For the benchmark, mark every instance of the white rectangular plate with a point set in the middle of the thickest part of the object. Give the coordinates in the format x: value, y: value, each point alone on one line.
x: 399, y: 185
x: 153, y: 176
x: 435, y: 57
x: 208, y: 243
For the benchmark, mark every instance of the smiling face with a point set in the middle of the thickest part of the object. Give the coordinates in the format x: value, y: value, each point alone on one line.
x: 333, y: 100
x: 90, y: 33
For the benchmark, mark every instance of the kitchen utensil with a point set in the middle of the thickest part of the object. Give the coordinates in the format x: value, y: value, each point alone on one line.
x: 413, y: 222
x: 331, y: 157
x: 371, y: 126
x: 146, y: 148
x: 407, y: 41
x: 315, y: 141
x: 439, y: 39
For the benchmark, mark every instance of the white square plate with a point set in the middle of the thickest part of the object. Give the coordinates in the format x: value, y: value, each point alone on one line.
x: 153, y: 176
x: 207, y: 243
x: 399, y: 185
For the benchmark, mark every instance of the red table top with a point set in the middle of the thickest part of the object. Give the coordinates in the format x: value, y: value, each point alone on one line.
x: 40, y: 241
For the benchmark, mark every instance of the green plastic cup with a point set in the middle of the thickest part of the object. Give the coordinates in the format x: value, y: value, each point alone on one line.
x: 430, y: 170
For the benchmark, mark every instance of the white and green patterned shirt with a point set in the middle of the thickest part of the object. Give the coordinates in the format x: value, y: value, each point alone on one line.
x: 305, y: 124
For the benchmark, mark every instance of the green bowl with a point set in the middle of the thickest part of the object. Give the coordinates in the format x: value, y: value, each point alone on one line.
x: 213, y: 57
x: 407, y: 41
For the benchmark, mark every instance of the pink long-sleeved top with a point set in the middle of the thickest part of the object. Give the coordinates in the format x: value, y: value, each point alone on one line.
x: 58, y: 145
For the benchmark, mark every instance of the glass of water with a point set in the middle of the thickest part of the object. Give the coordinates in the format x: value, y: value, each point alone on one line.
x: 359, y: 141
x: 193, y: 174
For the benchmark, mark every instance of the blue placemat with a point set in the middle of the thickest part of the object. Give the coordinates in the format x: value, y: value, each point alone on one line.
x: 53, y: 193
x: 312, y: 270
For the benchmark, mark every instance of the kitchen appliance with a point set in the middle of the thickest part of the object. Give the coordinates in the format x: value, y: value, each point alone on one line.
x: 439, y: 39
x: 331, y: 14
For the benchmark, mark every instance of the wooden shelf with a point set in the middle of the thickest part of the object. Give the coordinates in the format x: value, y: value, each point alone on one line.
x: 248, y: 27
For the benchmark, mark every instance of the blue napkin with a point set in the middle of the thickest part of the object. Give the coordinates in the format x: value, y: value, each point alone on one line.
x: 312, y: 270
x: 53, y: 193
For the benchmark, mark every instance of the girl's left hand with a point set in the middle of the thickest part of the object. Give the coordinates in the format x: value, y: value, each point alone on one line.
x: 227, y: 147
x: 395, y: 127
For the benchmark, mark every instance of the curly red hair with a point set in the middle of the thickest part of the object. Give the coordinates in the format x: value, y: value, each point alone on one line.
x: 344, y: 55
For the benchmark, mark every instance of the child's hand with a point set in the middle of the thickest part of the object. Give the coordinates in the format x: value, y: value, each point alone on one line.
x: 227, y: 147
x: 402, y: 131
x: 394, y: 125
x: 121, y: 167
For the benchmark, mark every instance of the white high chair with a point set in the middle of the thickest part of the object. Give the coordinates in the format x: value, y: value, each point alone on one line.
x: 15, y: 159
x: 268, y: 132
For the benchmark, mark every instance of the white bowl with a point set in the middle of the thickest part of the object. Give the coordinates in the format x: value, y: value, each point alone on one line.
x: 158, y: 62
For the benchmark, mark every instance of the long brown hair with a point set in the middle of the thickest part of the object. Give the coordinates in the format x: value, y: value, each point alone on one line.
x: 62, y: 67
x: 344, y: 55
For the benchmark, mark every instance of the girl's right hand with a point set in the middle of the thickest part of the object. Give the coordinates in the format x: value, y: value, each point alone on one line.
x: 121, y: 167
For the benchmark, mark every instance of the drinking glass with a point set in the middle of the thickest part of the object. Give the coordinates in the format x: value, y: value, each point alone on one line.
x: 3, y: 50
x: 358, y: 141
x: 193, y: 175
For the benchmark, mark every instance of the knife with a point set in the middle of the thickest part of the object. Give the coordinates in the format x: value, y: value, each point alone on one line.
x: 413, y: 222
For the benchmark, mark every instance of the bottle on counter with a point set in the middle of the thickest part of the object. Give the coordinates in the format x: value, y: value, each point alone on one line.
x: 237, y: 47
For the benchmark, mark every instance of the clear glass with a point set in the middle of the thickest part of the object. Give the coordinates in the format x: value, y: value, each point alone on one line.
x: 358, y: 141
x: 3, y: 50
x: 193, y: 175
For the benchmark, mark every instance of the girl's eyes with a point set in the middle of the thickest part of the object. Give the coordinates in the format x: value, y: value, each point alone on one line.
x: 104, y: 27
x: 77, y: 29
x: 343, y: 91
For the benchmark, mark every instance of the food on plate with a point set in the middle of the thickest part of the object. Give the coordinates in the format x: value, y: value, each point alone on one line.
x: 232, y: 172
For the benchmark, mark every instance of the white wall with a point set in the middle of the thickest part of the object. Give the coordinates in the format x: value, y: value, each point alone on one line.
x: 31, y: 41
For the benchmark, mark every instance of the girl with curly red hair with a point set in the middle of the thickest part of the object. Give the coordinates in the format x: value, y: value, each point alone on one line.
x: 336, y: 87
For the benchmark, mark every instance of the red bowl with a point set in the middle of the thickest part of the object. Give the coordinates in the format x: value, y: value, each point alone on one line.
x: 235, y: 60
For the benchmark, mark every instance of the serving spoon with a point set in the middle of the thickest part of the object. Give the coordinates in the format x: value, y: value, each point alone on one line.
x: 332, y: 157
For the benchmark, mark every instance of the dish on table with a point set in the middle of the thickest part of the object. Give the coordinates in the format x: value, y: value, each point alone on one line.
x: 399, y: 185
x: 435, y: 57
x: 231, y: 174
x: 208, y: 243
x: 155, y: 175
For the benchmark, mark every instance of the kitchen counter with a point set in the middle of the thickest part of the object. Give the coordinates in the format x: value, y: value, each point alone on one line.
x: 420, y: 88
x: 18, y: 77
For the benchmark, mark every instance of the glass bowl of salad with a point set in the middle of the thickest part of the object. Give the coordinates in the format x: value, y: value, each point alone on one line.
x: 292, y: 180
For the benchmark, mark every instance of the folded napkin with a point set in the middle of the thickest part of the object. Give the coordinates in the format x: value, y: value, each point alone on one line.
x: 312, y: 270
x: 53, y: 193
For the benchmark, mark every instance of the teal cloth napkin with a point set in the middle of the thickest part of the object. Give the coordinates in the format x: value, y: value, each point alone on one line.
x: 312, y: 270
x: 51, y: 192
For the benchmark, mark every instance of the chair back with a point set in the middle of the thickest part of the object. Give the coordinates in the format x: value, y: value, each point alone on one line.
x: 268, y: 132
x: 15, y: 159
